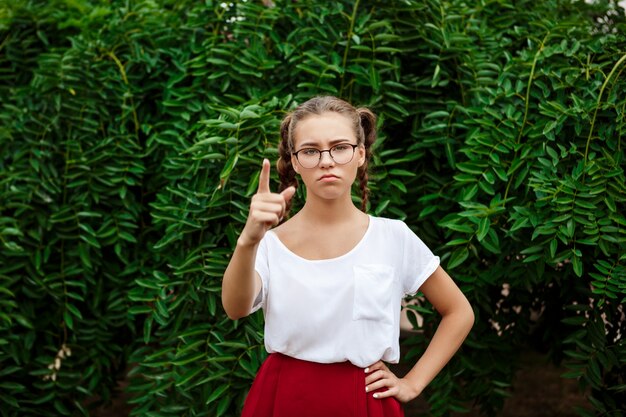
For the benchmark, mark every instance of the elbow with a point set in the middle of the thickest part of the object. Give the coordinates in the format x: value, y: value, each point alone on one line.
x: 463, y: 315
x: 470, y: 317
x: 234, y: 313
x: 234, y: 316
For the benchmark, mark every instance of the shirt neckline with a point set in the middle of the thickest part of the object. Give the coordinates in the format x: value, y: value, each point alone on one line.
x: 345, y: 255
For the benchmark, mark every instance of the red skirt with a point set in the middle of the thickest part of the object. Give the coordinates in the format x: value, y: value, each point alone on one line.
x: 289, y: 387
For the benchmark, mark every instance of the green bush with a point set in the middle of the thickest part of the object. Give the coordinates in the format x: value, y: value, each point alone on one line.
x: 131, y: 139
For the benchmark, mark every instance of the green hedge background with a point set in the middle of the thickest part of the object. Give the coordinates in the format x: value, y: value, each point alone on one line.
x: 131, y: 136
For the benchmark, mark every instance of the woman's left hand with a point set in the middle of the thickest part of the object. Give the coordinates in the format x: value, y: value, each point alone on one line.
x: 379, y: 376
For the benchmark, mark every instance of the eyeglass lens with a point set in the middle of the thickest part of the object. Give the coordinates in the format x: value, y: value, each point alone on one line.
x: 341, y: 154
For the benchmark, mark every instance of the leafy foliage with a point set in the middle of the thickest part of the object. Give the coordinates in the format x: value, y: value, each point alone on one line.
x: 131, y: 140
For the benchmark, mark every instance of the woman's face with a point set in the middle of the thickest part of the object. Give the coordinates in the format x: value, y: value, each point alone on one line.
x: 327, y: 180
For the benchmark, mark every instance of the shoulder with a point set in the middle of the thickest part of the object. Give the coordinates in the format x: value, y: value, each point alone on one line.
x: 389, y: 225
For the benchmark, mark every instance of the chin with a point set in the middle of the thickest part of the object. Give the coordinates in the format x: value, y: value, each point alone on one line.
x: 330, y: 196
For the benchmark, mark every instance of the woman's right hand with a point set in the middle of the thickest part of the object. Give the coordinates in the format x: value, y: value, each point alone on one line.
x: 266, y: 209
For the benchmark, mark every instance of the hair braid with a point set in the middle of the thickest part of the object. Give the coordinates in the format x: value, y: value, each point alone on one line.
x: 368, y: 126
x: 286, y: 173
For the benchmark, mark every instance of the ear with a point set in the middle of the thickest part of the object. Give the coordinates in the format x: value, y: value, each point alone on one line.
x: 361, y: 151
x: 294, y: 164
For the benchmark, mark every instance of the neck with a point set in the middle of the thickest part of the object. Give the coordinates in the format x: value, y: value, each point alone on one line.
x: 320, y: 211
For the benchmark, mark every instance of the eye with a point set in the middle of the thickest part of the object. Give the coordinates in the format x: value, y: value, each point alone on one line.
x: 342, y: 147
x: 309, y: 152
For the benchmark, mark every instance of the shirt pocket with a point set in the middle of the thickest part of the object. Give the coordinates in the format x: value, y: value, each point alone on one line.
x: 373, y: 292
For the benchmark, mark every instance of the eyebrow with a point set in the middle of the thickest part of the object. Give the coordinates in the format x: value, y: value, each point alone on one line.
x: 331, y: 143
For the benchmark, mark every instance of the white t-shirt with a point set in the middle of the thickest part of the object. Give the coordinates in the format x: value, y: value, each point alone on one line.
x: 345, y: 308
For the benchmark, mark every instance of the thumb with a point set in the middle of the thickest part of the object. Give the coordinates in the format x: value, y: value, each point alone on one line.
x: 288, y: 193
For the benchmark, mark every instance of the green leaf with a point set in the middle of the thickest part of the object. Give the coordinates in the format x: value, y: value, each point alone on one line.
x: 519, y: 223
x: 398, y: 184
x: 222, y: 406
x: 193, y: 357
x: 491, y: 242
x: 140, y: 309
x: 229, y: 166
x: 23, y: 321
x: 69, y: 321
x: 483, y: 228
x: 189, y: 375
x: 217, y: 393
x: 458, y: 257
x: 10, y: 400
x: 553, y: 247
x: 577, y: 265
x: 90, y: 240
x: 147, y: 329
x: 610, y: 203
x: 455, y: 242
x: 72, y: 309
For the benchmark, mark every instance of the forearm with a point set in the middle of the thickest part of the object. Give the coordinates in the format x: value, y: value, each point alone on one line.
x: 449, y: 336
x: 454, y: 327
x: 239, y: 287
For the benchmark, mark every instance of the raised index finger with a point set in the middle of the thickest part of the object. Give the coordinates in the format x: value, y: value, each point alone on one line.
x: 264, y: 178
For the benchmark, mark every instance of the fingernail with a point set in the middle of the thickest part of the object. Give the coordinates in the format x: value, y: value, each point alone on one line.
x: 367, y: 370
x: 366, y: 389
x: 375, y: 395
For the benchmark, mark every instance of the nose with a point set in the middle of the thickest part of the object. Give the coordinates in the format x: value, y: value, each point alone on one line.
x: 326, y: 159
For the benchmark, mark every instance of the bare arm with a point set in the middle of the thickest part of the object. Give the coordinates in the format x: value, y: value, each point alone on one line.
x: 241, y: 283
x: 457, y: 320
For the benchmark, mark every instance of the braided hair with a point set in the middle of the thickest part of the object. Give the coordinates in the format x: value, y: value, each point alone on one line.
x: 363, y: 122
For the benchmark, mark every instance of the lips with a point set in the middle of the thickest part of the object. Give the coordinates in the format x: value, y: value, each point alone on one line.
x: 328, y: 177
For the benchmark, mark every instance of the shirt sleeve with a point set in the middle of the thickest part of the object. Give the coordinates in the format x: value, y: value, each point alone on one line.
x: 418, y: 261
x: 261, y: 266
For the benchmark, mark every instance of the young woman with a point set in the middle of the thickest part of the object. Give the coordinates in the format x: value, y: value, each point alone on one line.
x: 331, y: 279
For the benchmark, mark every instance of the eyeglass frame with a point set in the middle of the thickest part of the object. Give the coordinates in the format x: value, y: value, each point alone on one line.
x: 321, y: 151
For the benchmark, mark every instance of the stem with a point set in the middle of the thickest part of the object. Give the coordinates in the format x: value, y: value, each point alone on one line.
x: 530, y: 82
x: 345, y: 52
x: 595, y: 113
x: 527, y: 99
x: 5, y: 41
x: 125, y: 79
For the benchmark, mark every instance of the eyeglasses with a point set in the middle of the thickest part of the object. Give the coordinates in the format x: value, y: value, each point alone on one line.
x: 311, y: 157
